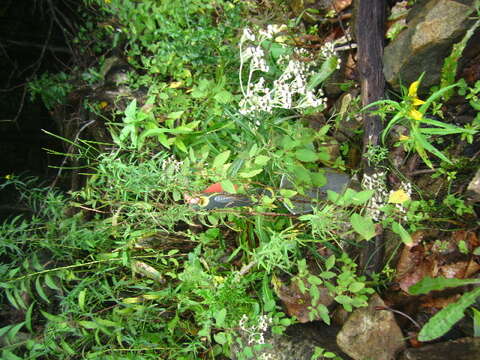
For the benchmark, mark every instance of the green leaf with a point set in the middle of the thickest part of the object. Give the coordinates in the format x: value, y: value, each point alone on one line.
x: 28, y: 317
x: 314, y: 280
x: 223, y: 97
x: 327, y: 68
x: 220, y: 338
x: 220, y: 317
x: 228, y: 186
x: 50, y: 282
x: 306, y: 155
x: 40, y: 290
x: 175, y: 115
x: 180, y: 145
x: 88, y: 324
x: 51, y: 317
x: 330, y: 262
x: 221, y: 159
x: 444, y: 320
x: 363, y: 226
x: 249, y: 174
x: 261, y: 160
x: 398, y: 229
x: 428, y: 284
x: 356, y: 286
x: 476, y: 322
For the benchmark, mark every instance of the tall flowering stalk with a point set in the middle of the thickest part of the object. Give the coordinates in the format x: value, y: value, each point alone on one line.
x: 291, y: 90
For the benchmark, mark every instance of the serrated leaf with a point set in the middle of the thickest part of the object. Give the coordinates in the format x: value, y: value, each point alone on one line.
x: 364, y: 226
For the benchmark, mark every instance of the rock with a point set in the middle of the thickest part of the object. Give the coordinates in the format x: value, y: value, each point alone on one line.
x: 370, y: 333
x: 433, y: 26
x: 461, y: 349
x: 473, y: 189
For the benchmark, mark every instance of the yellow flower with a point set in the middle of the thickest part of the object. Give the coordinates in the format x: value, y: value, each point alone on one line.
x: 412, y: 94
x: 9, y: 177
x: 415, y: 114
x: 404, y: 138
x: 398, y: 197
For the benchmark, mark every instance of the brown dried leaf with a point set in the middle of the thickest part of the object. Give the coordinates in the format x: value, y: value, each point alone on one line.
x: 298, y: 304
x: 340, y: 5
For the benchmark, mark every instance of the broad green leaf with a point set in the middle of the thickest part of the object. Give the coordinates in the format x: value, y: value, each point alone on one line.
x: 287, y: 193
x: 444, y: 320
x: 220, y: 317
x: 175, y: 115
x: 398, y: 229
x: 223, y: 97
x: 221, y: 159
x: 261, y: 160
x: 180, y: 145
x: 356, y: 286
x: 363, y: 226
x: 220, y: 338
x: 250, y: 173
x: 330, y: 262
x: 228, y: 186
x: 306, y: 155
x: 428, y: 284
x: 327, y: 68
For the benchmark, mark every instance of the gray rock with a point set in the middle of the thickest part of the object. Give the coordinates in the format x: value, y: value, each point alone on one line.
x: 473, y: 189
x: 370, y: 333
x: 433, y: 26
x: 461, y: 349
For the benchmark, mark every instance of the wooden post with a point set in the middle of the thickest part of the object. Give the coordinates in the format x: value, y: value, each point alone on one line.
x: 370, y: 34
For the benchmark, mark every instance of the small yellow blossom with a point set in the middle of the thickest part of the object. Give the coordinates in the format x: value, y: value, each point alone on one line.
x: 404, y: 138
x: 415, y: 114
x: 398, y: 197
x: 103, y: 104
x: 175, y: 84
x: 412, y: 90
x: 9, y: 177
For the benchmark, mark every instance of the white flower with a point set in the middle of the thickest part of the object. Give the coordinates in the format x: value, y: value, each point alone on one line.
x: 247, y: 35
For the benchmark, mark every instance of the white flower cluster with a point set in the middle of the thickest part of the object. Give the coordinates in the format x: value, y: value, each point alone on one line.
x: 172, y: 165
x: 377, y: 183
x: 290, y: 90
x: 255, y: 334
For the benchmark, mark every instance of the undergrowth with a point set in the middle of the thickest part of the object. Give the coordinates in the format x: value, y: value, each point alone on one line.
x: 126, y: 268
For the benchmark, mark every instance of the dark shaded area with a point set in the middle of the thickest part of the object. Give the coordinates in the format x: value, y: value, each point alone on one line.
x: 32, y: 41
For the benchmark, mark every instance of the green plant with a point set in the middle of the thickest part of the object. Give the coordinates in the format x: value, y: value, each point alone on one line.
x: 411, y: 112
x: 445, y: 319
x: 52, y: 88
